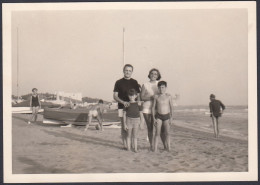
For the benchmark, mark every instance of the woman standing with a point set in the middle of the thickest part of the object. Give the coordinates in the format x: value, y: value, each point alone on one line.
x: 149, y: 89
x: 35, y: 105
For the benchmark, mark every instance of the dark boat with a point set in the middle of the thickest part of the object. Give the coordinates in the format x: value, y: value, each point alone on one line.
x: 77, y: 116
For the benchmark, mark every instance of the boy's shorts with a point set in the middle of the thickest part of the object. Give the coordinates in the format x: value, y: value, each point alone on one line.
x: 93, y: 113
x: 120, y: 113
x: 132, y: 122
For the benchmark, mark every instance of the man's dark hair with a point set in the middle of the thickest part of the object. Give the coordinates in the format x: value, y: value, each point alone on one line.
x: 128, y: 65
x: 100, y: 101
x: 162, y: 83
x: 212, y: 96
x: 34, y: 89
x: 131, y: 92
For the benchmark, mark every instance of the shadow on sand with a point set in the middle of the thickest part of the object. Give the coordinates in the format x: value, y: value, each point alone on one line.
x: 37, y: 168
x: 85, y: 139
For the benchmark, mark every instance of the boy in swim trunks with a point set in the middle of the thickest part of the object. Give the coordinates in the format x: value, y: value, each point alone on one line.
x: 162, y: 112
x: 96, y: 111
x: 132, y: 120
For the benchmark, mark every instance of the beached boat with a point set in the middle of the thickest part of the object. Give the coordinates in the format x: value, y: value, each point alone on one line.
x: 77, y: 116
x: 24, y: 107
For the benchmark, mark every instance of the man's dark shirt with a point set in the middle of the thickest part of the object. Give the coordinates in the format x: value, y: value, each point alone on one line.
x: 122, y: 86
x: 214, y: 107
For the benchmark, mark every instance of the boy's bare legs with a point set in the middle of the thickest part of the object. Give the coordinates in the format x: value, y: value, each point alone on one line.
x: 32, y: 118
x: 123, y: 133
x: 128, y: 139
x: 157, y: 133
x: 89, y: 121
x: 100, y: 122
x: 134, y: 135
x: 166, y: 126
x: 163, y: 137
x: 36, y: 113
x: 149, y: 123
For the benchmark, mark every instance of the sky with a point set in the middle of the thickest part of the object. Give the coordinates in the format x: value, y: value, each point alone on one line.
x: 198, y: 52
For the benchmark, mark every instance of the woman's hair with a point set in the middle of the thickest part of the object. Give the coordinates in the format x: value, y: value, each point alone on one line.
x: 100, y: 101
x: 158, y: 72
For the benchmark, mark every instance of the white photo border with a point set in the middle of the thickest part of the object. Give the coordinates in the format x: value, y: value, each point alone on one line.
x: 251, y: 175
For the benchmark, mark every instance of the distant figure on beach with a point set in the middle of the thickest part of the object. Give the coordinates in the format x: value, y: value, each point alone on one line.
x: 149, y: 89
x: 35, y: 105
x: 216, y: 110
x: 162, y: 112
x: 73, y: 105
x: 132, y: 119
x: 121, y: 88
x: 96, y: 111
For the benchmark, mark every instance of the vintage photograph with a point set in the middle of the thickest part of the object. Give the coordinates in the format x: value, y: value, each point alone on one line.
x: 151, y: 90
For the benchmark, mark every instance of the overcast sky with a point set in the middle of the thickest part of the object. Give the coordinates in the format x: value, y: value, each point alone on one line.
x: 198, y: 52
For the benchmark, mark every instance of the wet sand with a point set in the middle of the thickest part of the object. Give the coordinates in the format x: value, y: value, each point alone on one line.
x: 47, y: 149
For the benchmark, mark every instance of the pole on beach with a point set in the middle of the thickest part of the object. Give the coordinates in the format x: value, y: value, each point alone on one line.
x: 17, y: 56
x: 123, y: 46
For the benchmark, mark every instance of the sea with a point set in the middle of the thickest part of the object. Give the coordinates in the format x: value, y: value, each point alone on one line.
x: 233, y: 122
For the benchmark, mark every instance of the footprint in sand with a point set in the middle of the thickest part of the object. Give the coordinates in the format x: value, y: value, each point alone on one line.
x: 169, y: 158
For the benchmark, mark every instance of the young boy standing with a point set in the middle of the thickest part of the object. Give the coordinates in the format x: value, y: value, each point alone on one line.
x: 96, y: 111
x: 216, y: 109
x: 132, y: 120
x: 162, y: 112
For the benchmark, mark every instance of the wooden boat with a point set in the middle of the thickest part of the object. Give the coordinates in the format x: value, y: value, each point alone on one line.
x: 24, y: 107
x: 78, y: 116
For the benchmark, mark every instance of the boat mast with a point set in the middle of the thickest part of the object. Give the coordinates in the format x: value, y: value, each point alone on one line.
x: 123, y: 46
x: 17, y: 55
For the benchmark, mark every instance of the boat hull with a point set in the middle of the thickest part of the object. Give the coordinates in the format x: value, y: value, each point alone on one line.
x: 78, y: 116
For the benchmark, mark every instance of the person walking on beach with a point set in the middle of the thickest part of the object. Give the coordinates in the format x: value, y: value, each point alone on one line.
x: 216, y: 110
x: 132, y: 120
x: 149, y: 89
x: 121, y: 88
x: 96, y: 111
x: 162, y: 112
x: 35, y: 105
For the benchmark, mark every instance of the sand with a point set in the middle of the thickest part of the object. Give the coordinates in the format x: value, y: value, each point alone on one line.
x: 48, y: 149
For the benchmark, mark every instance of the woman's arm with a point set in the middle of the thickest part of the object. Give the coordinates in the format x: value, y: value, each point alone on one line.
x: 153, y: 108
x: 31, y: 102
x: 39, y: 101
x: 171, y: 107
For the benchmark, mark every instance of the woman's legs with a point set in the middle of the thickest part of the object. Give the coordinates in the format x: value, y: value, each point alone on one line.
x: 157, y: 133
x: 149, y: 123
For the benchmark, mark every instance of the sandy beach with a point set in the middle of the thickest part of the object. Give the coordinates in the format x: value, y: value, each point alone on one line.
x: 49, y: 149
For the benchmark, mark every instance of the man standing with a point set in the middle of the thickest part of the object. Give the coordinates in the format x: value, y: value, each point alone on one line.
x: 216, y: 109
x: 120, y: 95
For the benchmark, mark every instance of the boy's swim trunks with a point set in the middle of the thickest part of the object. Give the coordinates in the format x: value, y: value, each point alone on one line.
x: 162, y: 117
x: 93, y: 113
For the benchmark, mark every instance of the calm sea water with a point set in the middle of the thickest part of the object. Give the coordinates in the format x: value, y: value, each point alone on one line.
x: 234, y: 121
